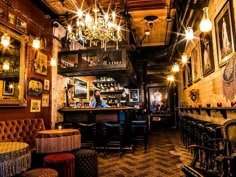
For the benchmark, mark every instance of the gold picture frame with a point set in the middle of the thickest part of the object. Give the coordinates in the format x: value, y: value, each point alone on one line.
x: 35, y: 105
x: 41, y: 63
x: 45, y: 100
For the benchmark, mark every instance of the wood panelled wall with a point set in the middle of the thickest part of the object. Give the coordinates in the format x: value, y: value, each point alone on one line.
x: 37, y: 25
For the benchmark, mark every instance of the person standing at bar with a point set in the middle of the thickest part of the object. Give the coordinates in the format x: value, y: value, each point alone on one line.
x: 96, y: 101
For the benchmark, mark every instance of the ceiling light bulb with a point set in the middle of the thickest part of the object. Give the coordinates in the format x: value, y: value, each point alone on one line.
x: 175, y: 67
x: 184, y: 58
x: 5, y: 40
x: 80, y: 13
x: 189, y: 33
x: 170, y: 78
x: 205, y: 24
x: 6, y: 66
x: 147, y: 32
x: 36, y: 43
x: 53, y: 62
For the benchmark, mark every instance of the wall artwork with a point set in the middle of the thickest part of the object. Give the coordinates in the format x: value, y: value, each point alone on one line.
x: 35, y: 105
x: 35, y: 87
x: 46, y: 85
x: 189, y: 72
x: 184, y: 78
x: 134, y: 95
x: 224, y: 34
x: 41, y: 63
x: 21, y: 25
x: 11, y: 18
x: 207, y: 56
x: 81, y: 89
x: 45, y: 100
x: 2, y: 12
x: 196, y: 64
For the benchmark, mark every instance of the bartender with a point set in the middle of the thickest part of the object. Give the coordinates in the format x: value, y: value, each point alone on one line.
x: 96, y: 101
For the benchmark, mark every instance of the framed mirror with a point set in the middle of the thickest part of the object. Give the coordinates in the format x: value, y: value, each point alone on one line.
x: 12, y: 69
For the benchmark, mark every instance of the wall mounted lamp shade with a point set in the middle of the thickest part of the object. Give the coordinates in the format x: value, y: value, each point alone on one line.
x: 184, y: 58
x: 53, y: 62
x: 175, y: 67
x: 205, y: 24
x: 36, y: 43
x: 6, y: 66
x: 5, y: 40
x: 189, y: 33
x: 147, y: 32
x: 170, y: 78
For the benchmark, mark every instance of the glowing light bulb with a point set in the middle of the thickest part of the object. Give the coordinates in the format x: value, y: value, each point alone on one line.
x: 205, y: 24
x: 5, y: 40
x: 184, y: 58
x: 189, y: 33
x: 36, y: 43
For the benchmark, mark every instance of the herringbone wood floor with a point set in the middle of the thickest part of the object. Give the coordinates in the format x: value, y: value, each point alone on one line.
x: 164, y: 158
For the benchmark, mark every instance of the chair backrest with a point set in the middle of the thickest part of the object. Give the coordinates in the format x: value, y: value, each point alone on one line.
x: 229, y: 134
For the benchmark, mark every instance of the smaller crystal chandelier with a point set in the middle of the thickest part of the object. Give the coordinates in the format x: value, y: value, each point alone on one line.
x: 184, y: 58
x: 5, y: 40
x: 189, y: 33
x: 205, y: 24
x: 95, y: 27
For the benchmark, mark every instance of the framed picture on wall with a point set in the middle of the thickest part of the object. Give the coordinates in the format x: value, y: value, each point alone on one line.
x: 189, y: 72
x: 35, y: 87
x: 45, y: 100
x: 134, y: 95
x: 196, y: 63
x: 2, y: 12
x: 81, y: 89
x: 35, y: 105
x: 207, y: 56
x: 11, y: 18
x: 46, y: 85
x: 184, y: 77
x: 8, y: 88
x: 224, y: 28
x: 41, y: 63
x: 21, y: 25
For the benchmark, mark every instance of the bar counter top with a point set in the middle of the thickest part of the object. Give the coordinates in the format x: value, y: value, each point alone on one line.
x: 70, y: 109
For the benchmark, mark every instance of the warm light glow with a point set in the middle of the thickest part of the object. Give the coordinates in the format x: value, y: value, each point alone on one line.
x: 147, y: 32
x: 189, y: 33
x: 53, y: 62
x: 175, y: 67
x: 170, y: 78
x: 94, y: 27
x: 11, y: 86
x: 205, y: 24
x: 5, y: 40
x: 36, y: 43
x: 184, y: 58
x: 6, y: 66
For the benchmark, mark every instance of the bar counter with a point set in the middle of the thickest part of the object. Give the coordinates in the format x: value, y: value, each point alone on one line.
x: 97, y: 114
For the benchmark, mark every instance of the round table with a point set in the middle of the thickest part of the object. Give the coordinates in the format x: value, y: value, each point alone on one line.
x: 51, y: 141
x: 15, y: 157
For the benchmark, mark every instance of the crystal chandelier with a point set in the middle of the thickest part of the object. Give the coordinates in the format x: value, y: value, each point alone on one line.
x: 95, y: 27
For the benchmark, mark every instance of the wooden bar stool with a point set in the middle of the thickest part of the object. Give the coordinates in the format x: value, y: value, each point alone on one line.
x: 88, y: 134
x: 64, y: 163
x: 40, y: 172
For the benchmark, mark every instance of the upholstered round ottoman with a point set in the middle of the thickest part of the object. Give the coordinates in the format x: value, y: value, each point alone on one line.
x: 64, y: 163
x: 40, y: 172
x: 86, y: 163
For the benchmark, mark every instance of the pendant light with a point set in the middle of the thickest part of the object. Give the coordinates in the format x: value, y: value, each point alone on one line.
x: 170, y: 78
x: 5, y: 40
x: 175, y: 67
x: 36, y: 43
x: 6, y: 66
x: 205, y: 24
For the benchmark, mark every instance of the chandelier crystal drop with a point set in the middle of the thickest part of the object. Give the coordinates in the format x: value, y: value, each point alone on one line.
x: 95, y: 27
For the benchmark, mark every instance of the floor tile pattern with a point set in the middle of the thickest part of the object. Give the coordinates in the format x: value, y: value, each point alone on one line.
x: 165, y: 157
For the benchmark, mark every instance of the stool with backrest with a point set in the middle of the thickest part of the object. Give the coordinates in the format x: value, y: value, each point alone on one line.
x: 40, y: 172
x: 64, y: 163
x: 139, y: 130
x: 88, y: 135
x: 114, y: 136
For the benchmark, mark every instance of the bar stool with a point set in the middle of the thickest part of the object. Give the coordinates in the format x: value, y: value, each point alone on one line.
x: 88, y: 135
x: 113, y: 134
x: 40, y: 172
x: 139, y: 132
x: 64, y: 163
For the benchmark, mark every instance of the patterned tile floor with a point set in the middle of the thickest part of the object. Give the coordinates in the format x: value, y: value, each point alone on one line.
x: 164, y: 158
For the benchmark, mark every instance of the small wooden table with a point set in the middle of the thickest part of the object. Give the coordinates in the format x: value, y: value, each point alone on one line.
x: 51, y: 141
x: 15, y: 157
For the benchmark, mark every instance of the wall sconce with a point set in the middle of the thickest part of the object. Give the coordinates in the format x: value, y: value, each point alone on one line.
x: 184, y: 58
x: 6, y: 66
x: 53, y: 62
x: 147, y: 32
x: 36, y: 43
x: 175, y: 67
x: 189, y: 33
x: 5, y: 40
x: 170, y: 78
x: 205, y: 24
